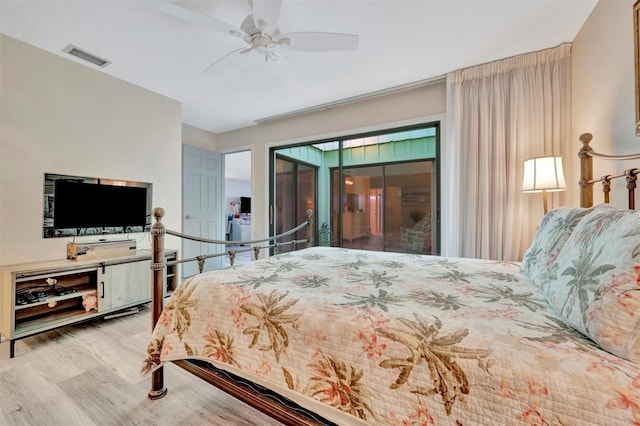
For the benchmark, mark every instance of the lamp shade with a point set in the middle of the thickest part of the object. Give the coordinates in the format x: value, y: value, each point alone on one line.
x: 543, y: 174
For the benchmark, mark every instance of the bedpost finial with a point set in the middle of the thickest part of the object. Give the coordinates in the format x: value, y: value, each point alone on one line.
x: 158, y: 213
x: 309, y: 214
x: 585, y: 138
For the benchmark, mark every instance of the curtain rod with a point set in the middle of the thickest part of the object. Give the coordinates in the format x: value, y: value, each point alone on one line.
x: 345, y: 101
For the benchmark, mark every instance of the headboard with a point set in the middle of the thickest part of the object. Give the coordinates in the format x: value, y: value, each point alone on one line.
x: 587, y: 154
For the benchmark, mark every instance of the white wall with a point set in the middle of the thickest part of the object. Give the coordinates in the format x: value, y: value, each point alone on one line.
x: 199, y: 138
x: 403, y: 108
x: 237, y: 187
x: 603, y: 90
x: 59, y: 116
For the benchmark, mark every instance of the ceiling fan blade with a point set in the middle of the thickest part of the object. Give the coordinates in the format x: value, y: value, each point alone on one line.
x: 266, y: 14
x: 318, y: 42
x: 198, y: 18
x: 242, y: 51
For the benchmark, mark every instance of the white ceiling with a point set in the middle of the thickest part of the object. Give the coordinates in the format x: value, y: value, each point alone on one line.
x: 401, y: 41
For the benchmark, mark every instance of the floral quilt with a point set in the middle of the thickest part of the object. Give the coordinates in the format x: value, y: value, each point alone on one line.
x: 397, y: 339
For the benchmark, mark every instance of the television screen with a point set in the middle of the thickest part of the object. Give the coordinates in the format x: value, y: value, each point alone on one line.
x: 90, y: 206
x: 245, y: 205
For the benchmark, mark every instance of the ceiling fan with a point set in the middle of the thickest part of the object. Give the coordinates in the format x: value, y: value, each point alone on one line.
x: 260, y: 31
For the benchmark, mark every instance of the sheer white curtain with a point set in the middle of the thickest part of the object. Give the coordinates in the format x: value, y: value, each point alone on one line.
x: 498, y: 115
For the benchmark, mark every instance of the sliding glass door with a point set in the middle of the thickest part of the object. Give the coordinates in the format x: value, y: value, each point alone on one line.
x: 377, y: 191
x: 295, y: 194
x: 409, y: 207
x: 387, y: 207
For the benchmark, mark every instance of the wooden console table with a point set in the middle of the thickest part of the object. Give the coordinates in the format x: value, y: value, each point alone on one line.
x: 106, y: 286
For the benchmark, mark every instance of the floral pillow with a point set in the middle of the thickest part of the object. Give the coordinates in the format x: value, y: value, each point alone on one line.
x: 552, y: 234
x: 597, y: 289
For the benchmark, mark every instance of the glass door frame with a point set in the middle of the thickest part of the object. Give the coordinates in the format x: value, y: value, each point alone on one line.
x: 340, y: 139
x: 272, y: 192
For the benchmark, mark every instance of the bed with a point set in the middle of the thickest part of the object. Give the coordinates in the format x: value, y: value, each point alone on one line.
x: 328, y: 335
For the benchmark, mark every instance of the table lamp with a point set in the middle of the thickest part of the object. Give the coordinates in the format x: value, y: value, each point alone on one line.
x: 543, y: 174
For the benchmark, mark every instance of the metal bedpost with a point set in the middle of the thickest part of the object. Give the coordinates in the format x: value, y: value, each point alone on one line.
x: 309, y: 225
x: 606, y: 187
x: 586, y: 171
x: 631, y: 187
x: 158, y: 390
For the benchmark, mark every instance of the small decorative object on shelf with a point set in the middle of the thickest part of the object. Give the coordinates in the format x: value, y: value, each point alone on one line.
x: 90, y: 301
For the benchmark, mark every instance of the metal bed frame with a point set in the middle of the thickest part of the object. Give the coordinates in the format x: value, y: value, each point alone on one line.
x: 256, y: 398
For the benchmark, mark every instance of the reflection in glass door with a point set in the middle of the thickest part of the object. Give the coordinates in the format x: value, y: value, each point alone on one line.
x: 387, y: 207
x: 409, y: 207
x: 375, y: 211
x: 295, y: 194
x: 358, y: 182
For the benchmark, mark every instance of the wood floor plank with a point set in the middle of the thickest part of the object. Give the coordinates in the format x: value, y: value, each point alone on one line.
x: 26, y: 398
x: 88, y: 374
x: 106, y: 398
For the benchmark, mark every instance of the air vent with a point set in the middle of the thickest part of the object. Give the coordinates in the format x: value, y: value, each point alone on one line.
x: 86, y: 56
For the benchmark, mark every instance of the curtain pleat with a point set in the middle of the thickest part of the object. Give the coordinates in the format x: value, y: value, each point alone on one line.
x: 498, y: 115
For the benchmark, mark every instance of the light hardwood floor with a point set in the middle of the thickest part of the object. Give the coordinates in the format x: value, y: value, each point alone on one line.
x: 88, y: 374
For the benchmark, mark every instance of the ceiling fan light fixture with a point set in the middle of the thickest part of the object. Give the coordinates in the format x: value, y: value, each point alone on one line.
x: 261, y: 41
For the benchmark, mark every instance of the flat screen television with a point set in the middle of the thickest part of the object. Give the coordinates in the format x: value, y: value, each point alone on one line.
x: 75, y: 206
x: 245, y: 205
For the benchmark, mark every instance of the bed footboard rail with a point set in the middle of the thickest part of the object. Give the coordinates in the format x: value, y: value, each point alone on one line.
x: 587, y: 154
x: 158, y: 265
x: 271, y: 243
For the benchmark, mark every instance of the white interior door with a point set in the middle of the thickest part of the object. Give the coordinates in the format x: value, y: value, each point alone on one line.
x: 202, y: 206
